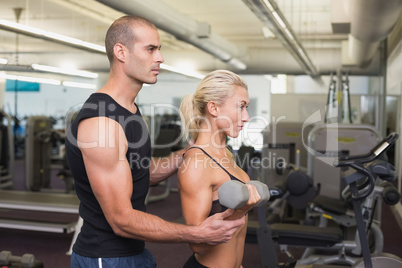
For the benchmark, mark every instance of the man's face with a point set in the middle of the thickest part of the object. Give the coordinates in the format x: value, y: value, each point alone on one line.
x: 145, y: 56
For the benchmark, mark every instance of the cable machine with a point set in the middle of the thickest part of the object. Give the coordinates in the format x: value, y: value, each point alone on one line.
x: 338, y: 101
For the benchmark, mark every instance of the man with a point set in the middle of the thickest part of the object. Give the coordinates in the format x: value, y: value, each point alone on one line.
x: 109, y: 153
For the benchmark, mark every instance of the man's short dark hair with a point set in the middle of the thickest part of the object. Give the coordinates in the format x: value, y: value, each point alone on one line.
x: 122, y: 31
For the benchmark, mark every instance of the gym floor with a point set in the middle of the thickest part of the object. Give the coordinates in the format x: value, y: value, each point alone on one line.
x: 51, y: 248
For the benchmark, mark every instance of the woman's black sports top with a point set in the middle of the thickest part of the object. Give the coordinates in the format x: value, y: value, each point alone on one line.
x: 216, y: 206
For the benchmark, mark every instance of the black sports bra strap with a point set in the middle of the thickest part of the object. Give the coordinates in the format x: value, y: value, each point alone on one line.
x: 211, y: 158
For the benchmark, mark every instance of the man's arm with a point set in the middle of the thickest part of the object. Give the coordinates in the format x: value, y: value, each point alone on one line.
x: 162, y: 168
x: 103, y: 146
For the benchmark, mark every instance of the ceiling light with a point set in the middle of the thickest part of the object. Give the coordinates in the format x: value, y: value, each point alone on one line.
x: 182, y: 71
x: 30, y: 79
x: 79, y: 85
x: 67, y: 71
x: 290, y: 35
x: 269, y: 6
x: 267, y: 33
x: 268, y: 12
x: 59, y: 38
x: 279, y: 20
x: 38, y: 33
x: 237, y: 63
x: 47, y: 81
x: 179, y: 25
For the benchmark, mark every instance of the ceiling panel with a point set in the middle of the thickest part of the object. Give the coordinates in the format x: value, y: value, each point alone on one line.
x: 232, y: 20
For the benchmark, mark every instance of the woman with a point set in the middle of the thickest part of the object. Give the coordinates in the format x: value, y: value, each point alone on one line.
x: 217, y: 110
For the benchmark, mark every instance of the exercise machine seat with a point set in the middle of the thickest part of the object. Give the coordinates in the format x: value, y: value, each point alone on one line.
x: 305, y: 235
x: 330, y: 204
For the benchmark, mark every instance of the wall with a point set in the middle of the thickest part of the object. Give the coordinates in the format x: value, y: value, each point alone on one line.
x: 394, y: 88
x: 51, y: 100
x: 56, y: 101
x: 305, y: 97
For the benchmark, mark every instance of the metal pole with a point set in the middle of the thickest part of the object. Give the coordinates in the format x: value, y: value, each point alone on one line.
x: 17, y: 12
x: 381, y: 118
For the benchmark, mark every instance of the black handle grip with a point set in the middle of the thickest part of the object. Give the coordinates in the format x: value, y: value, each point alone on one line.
x: 372, y: 155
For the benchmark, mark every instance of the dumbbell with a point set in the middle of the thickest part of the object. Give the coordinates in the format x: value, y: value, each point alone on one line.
x: 234, y: 194
x: 27, y: 260
x: 263, y: 191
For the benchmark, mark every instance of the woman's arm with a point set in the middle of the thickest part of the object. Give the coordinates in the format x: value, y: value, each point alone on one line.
x: 195, y: 185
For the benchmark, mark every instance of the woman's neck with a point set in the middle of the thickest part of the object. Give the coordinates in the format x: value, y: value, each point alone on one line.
x: 206, y: 140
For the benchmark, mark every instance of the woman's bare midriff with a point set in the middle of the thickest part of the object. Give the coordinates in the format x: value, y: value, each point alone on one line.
x: 227, y: 255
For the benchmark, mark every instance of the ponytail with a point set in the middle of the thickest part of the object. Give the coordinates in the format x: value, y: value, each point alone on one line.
x: 188, y: 118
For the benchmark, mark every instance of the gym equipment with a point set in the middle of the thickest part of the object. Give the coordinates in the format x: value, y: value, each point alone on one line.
x: 169, y: 136
x: 283, y: 145
x: 234, y: 194
x: 37, y: 153
x: 6, y: 151
x: 338, y: 101
x: 327, y: 142
x: 263, y: 191
x: 341, y: 211
x: 345, y: 217
x: 361, y: 191
x: 292, y: 196
x: 336, y: 137
x: 38, y: 142
x: 301, y: 189
x: 168, y: 140
x: 364, y: 193
x: 243, y: 157
x: 37, y: 201
x: 26, y: 260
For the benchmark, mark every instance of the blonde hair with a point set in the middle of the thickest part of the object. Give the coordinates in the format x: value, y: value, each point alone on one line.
x: 217, y: 86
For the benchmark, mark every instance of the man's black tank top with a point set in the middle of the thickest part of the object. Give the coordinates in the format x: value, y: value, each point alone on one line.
x: 97, y: 238
x: 216, y: 206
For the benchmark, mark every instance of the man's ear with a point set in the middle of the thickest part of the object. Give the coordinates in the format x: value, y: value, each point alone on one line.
x: 212, y: 108
x: 119, y: 51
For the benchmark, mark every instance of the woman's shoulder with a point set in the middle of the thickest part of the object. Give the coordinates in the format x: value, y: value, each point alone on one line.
x: 196, y: 153
x: 197, y: 163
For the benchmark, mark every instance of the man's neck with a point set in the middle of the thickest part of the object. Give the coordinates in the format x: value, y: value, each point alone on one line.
x: 124, y: 94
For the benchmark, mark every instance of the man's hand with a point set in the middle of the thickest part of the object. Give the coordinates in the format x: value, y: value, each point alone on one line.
x: 215, y: 229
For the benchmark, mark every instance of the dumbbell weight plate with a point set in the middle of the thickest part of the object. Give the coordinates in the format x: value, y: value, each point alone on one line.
x: 233, y: 194
x: 263, y: 191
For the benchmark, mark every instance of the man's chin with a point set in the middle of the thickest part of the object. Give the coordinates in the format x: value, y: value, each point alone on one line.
x: 151, y: 82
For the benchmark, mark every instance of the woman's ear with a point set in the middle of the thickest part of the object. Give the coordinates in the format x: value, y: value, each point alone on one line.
x: 212, y: 108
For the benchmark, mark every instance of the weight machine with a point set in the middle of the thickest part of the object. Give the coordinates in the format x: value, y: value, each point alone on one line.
x: 338, y: 107
x: 368, y: 180
x: 39, y: 140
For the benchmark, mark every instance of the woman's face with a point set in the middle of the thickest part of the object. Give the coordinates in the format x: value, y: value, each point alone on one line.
x: 232, y: 114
